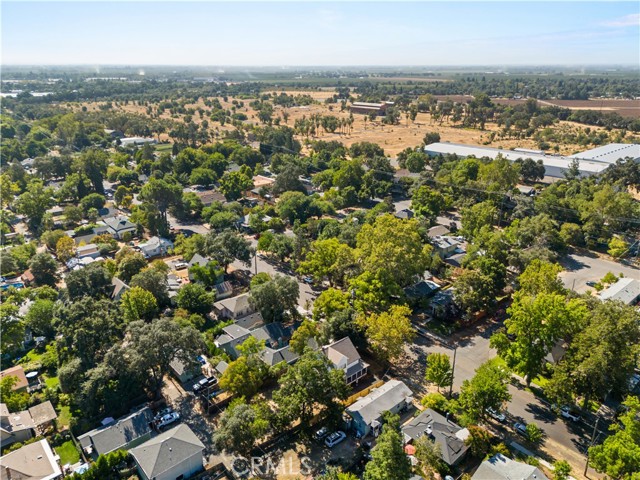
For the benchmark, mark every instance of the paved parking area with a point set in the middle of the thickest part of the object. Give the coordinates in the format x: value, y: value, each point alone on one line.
x: 579, y: 268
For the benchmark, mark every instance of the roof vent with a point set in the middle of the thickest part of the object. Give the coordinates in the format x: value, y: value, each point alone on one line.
x: 39, y: 457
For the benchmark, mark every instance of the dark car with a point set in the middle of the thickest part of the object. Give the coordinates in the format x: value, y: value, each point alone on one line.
x: 520, y: 428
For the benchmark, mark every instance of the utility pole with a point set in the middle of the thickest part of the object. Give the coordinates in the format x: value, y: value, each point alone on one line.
x: 593, y: 436
x: 453, y: 369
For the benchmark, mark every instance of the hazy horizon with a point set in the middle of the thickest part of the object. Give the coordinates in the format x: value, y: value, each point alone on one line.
x: 323, y: 34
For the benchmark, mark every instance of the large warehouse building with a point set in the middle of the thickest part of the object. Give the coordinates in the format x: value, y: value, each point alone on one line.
x: 591, y: 162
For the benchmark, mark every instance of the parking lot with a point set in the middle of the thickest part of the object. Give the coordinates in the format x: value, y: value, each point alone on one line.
x: 580, y: 268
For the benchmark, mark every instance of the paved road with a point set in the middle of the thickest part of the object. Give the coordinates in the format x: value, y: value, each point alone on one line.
x: 581, y: 268
x: 563, y: 438
x: 273, y: 267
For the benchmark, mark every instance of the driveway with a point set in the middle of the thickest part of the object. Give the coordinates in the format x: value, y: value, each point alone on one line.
x: 579, y: 268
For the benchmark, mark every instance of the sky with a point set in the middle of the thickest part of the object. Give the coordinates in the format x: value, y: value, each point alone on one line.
x: 320, y: 33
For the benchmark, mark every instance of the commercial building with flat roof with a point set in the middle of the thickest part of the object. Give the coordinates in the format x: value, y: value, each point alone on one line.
x: 591, y: 162
x: 611, y: 153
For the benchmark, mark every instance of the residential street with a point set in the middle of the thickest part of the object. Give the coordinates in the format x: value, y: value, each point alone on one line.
x: 272, y: 267
x: 563, y: 437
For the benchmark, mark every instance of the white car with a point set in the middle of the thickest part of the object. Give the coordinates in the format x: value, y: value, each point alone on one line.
x: 167, y: 419
x: 567, y: 412
x: 334, y: 439
x: 181, y: 265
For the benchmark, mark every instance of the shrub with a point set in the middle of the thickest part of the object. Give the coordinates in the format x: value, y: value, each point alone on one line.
x: 435, y: 401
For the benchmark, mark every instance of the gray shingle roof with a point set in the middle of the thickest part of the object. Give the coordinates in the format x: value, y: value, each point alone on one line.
x: 500, y: 467
x: 447, y: 434
x: 380, y: 400
x: 116, y: 435
x: 167, y: 450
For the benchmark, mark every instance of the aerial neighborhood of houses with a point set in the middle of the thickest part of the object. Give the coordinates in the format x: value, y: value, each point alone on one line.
x: 292, y: 285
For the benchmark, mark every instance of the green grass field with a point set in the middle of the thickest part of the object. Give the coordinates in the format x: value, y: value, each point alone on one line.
x: 163, y: 147
x: 51, y: 382
x: 68, y: 453
x: 64, y: 417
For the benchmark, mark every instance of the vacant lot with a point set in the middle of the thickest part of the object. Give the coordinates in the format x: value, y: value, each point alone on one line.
x: 393, y: 138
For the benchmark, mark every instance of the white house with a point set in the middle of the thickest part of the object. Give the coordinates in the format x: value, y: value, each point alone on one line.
x: 118, y: 226
x: 176, y: 453
x: 33, y: 461
x: 366, y: 414
x: 155, y: 247
x: 344, y: 356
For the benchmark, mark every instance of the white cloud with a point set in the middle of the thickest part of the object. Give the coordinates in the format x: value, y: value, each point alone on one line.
x: 631, y: 20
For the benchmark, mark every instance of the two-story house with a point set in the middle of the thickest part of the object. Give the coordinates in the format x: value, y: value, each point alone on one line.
x: 344, y: 356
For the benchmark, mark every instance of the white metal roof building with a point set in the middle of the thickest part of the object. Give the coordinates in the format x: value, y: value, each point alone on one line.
x: 555, y: 165
x: 626, y: 290
x: 611, y: 153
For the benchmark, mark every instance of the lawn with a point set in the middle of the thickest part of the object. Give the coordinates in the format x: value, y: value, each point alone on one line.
x: 51, y: 382
x: 68, y: 453
x: 64, y: 417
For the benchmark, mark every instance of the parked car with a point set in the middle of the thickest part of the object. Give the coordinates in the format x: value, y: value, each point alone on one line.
x: 204, y: 384
x: 591, y: 283
x: 201, y: 360
x: 569, y: 413
x: 497, y: 415
x: 162, y: 413
x: 308, y: 280
x: 520, y: 428
x: 181, y: 265
x: 167, y: 419
x: 334, y: 439
x: 320, y: 434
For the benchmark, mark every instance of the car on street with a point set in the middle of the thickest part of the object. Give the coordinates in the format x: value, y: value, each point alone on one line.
x: 569, y: 413
x: 335, y: 438
x: 167, y: 419
x: 496, y: 415
x: 320, y: 434
x: 520, y: 428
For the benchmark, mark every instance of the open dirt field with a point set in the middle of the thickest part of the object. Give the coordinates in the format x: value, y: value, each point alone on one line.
x: 393, y: 138
x: 626, y: 108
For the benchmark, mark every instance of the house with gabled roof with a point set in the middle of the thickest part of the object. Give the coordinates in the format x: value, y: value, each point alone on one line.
x: 35, y: 461
x: 125, y: 433
x: 441, y: 430
x: 344, y: 356
x: 119, y: 225
x: 366, y: 414
x: 176, y: 453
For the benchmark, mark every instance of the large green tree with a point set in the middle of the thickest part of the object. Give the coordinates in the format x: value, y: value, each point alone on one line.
x: 151, y: 347
x: 536, y: 324
x: 392, y: 245
x: 194, y: 298
x: 228, y: 246
x: 603, y: 355
x: 34, y: 203
x: 388, y: 458
x: 44, y: 269
x: 239, y: 427
x: 309, y: 387
x: 138, y: 304
x: 327, y: 259
x: 276, y: 298
x: 487, y: 389
x: 619, y: 455
x: 439, y: 370
x: 389, y: 331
